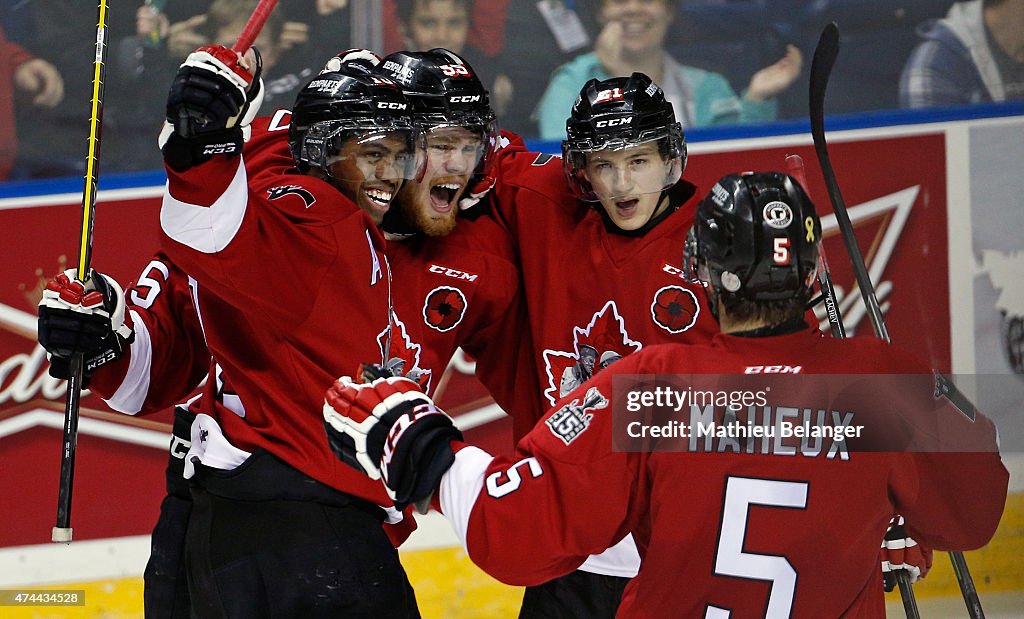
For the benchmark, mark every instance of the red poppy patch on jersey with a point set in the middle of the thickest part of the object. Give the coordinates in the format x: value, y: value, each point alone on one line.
x: 675, y: 309
x: 444, y: 308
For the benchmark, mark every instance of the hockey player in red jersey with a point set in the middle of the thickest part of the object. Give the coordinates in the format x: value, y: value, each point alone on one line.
x: 456, y: 269
x: 724, y: 531
x: 597, y: 236
x: 162, y: 360
x: 261, y: 242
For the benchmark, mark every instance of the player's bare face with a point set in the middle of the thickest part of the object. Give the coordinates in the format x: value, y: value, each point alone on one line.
x: 629, y: 182
x: 370, y: 171
x: 431, y: 204
x: 439, y: 23
x: 643, y: 23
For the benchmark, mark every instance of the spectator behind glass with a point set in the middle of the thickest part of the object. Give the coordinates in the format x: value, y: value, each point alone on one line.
x: 486, y: 27
x: 428, y: 24
x: 134, y: 113
x: 633, y: 39
x: 27, y: 82
x: 973, y: 55
x: 540, y: 37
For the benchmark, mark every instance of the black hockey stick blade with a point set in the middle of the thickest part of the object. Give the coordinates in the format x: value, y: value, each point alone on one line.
x: 824, y: 59
x: 825, y: 55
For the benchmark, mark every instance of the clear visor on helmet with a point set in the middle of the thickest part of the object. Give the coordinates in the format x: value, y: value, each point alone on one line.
x: 465, y: 141
x: 455, y: 149
x: 624, y: 167
x: 350, y: 150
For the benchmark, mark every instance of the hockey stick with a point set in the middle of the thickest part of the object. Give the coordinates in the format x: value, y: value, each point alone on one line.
x: 824, y: 59
x: 795, y: 164
x: 62, y: 531
x: 821, y: 67
x: 254, y: 25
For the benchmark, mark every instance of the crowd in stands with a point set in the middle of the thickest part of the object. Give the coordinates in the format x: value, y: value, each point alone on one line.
x: 721, y: 61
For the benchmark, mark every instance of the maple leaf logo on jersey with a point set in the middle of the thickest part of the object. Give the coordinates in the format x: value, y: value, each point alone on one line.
x: 573, y: 419
x: 275, y: 193
x: 402, y: 355
x: 602, y: 342
x: 675, y: 309
x: 444, y: 308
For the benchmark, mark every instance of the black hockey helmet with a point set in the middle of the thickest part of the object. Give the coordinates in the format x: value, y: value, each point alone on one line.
x: 445, y: 92
x: 755, y: 235
x: 618, y: 113
x: 350, y: 102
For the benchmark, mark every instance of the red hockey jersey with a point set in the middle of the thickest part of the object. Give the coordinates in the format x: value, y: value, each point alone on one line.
x: 168, y: 357
x: 292, y: 289
x: 769, y: 534
x: 590, y: 292
x: 460, y: 290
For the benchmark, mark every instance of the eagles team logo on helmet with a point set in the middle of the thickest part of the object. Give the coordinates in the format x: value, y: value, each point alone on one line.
x: 445, y: 92
x: 350, y: 102
x: 755, y: 235
x: 619, y: 113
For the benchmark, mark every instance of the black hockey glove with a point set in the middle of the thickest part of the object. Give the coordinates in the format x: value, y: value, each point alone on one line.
x: 390, y: 430
x: 87, y: 319
x: 211, y: 102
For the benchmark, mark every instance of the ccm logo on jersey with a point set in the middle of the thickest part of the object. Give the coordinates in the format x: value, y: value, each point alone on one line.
x: 454, y: 273
x: 773, y: 369
x: 613, y: 122
x: 673, y: 270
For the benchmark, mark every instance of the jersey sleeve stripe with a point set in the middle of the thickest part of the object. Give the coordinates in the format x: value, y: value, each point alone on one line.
x: 207, y: 229
x: 461, y: 486
x: 131, y: 395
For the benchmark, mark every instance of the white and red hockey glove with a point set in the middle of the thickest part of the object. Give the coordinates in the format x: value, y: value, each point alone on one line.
x: 212, y: 100
x: 388, y: 429
x: 88, y: 319
x: 902, y: 552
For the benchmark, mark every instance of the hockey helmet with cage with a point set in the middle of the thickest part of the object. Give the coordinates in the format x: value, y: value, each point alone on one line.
x: 347, y: 103
x: 445, y: 92
x: 620, y: 113
x: 756, y: 235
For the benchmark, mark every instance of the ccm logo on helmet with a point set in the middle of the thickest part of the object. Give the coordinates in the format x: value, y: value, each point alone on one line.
x: 614, y: 122
x: 465, y: 99
x: 391, y: 105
